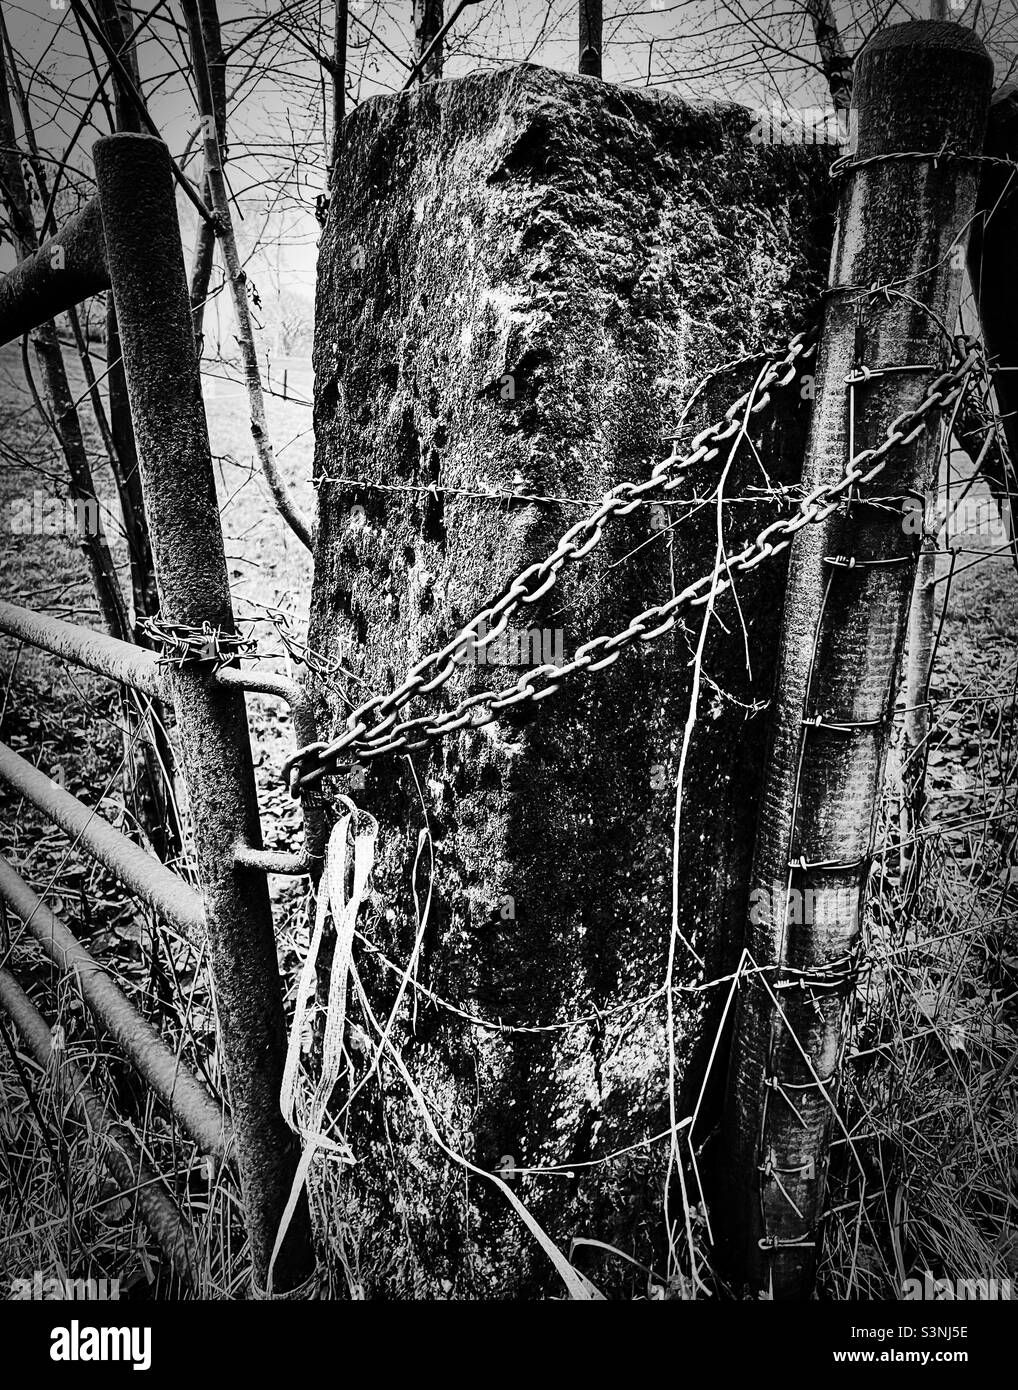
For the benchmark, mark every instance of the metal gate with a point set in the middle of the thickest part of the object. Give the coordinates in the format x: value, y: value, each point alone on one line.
x: 128, y: 240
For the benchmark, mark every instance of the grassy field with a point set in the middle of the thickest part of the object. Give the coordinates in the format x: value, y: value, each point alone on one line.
x: 71, y: 724
x: 933, y: 1035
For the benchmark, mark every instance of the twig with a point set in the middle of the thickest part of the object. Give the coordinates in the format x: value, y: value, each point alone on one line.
x: 237, y: 278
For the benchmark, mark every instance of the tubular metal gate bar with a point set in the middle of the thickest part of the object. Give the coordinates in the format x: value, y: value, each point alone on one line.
x: 128, y: 241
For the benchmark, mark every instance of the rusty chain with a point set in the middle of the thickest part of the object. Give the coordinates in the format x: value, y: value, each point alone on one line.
x: 361, y: 742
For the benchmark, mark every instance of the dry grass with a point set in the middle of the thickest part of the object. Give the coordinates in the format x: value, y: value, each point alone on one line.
x: 924, y: 1179
x: 59, y: 1213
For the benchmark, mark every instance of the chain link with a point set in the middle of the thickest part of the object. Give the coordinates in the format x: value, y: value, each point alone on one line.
x: 363, y: 742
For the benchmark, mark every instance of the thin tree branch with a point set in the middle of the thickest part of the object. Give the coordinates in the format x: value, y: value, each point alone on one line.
x: 237, y: 280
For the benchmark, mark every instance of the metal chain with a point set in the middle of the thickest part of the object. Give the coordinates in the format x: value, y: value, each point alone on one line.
x: 538, y: 578
x: 360, y: 743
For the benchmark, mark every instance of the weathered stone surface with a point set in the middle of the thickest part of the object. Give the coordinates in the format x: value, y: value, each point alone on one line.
x: 600, y: 250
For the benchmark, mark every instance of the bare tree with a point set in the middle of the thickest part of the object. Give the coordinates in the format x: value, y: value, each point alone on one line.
x: 237, y: 278
x: 591, y: 37
x: 427, y: 22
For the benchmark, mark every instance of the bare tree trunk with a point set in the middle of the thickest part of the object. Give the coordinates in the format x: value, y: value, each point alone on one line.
x: 237, y: 279
x: 65, y: 422
x: 338, y: 77
x: 846, y: 610
x: 147, y: 272
x: 591, y: 37
x: 117, y: 24
x: 205, y: 246
x: 116, y: 18
x: 836, y: 63
x: 152, y: 783
x: 428, y: 17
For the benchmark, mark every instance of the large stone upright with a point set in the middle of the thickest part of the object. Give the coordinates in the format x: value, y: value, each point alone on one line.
x: 523, y: 278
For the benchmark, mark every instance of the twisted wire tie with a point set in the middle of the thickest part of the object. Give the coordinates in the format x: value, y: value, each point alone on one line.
x: 833, y: 865
x: 846, y: 164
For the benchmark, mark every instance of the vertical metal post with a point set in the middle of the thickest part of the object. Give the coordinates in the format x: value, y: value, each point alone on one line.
x: 150, y: 292
x: 993, y: 266
x: 920, y: 89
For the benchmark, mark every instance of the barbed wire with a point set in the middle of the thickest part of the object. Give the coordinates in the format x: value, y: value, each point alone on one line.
x: 752, y: 494
x: 598, y: 1016
x: 182, y: 644
x: 578, y: 541
x: 364, y: 740
x: 848, y: 163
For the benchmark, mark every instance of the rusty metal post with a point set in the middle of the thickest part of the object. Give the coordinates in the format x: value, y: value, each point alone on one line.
x: 68, y: 268
x: 137, y: 870
x: 921, y: 90
x: 95, y: 651
x: 993, y: 266
x: 146, y: 264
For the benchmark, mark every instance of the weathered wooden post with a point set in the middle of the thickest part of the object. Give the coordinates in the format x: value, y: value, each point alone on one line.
x: 921, y: 91
x: 146, y: 269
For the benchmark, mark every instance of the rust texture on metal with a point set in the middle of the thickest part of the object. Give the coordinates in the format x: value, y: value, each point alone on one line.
x: 141, y: 669
x: 992, y: 250
x: 311, y: 857
x: 199, y: 1114
x: 68, y: 268
x: 119, y: 1150
x: 139, y: 871
x: 146, y: 264
x: 107, y: 656
x: 906, y: 204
